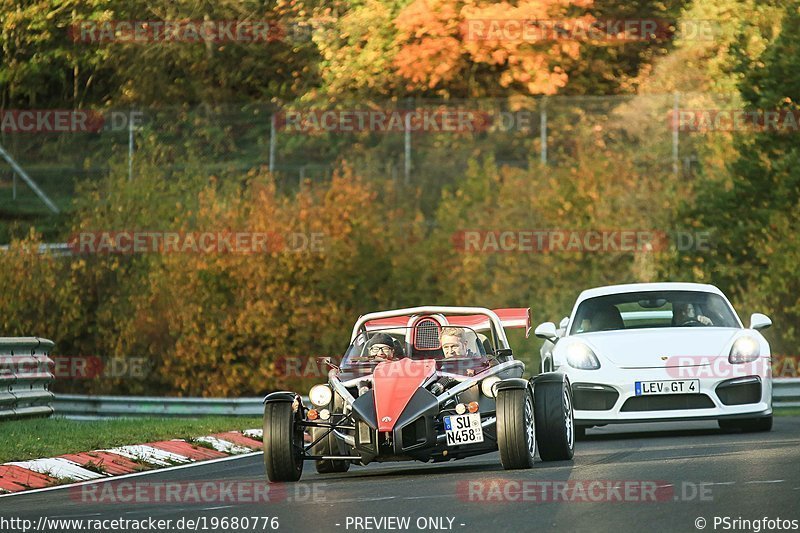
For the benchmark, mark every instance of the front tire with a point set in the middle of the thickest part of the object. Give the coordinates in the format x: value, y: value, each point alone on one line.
x: 747, y: 425
x: 283, y: 443
x: 329, y: 445
x: 516, y: 439
x: 555, y: 420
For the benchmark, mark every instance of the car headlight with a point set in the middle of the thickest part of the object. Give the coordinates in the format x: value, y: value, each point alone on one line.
x: 582, y: 357
x: 744, y: 350
x: 487, y: 384
x: 320, y: 395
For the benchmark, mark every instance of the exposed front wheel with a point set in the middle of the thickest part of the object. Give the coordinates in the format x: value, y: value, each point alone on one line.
x: 516, y: 438
x: 555, y: 420
x: 283, y: 442
x: 748, y: 425
x: 327, y: 446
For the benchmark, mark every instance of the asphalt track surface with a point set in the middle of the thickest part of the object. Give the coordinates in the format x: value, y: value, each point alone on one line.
x: 697, y: 470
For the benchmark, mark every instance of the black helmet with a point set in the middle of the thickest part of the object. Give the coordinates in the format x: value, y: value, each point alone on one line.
x: 381, y: 338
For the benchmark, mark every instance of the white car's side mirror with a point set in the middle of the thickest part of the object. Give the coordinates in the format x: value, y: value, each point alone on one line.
x: 759, y: 321
x: 546, y: 330
x: 562, y: 327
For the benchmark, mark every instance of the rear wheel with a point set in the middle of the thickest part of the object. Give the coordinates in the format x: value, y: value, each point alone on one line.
x: 329, y: 445
x: 748, y: 425
x: 555, y: 420
x: 283, y: 442
x: 516, y: 439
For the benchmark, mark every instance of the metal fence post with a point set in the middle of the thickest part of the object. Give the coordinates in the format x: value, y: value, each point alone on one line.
x: 272, y: 144
x: 543, y: 130
x: 675, y: 133
x: 130, y: 145
x: 407, y: 142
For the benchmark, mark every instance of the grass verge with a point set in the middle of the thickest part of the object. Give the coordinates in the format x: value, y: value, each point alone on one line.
x: 47, y: 437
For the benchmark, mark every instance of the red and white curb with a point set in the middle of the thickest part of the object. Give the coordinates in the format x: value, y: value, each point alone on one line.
x: 18, y: 476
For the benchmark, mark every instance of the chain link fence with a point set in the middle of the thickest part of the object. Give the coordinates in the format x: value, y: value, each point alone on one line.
x: 422, y: 143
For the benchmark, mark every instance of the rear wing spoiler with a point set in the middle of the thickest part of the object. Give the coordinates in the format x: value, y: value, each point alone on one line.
x: 510, y: 318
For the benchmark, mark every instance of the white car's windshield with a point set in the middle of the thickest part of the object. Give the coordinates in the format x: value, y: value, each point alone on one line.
x: 653, y: 309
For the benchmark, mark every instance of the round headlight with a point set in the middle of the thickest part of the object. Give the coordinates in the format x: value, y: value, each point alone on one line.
x: 487, y: 384
x: 744, y: 350
x: 320, y: 395
x: 582, y: 357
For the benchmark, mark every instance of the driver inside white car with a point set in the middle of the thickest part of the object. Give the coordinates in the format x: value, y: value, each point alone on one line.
x: 684, y: 314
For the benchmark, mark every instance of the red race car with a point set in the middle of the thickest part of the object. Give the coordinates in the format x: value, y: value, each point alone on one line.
x: 425, y: 384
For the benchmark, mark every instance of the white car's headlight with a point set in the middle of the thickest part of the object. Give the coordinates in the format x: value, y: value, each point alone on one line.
x: 320, y: 395
x: 582, y: 357
x: 487, y: 384
x: 744, y: 350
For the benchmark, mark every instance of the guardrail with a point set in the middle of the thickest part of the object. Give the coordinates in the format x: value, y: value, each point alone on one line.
x: 80, y: 406
x: 26, y: 372
x: 785, y: 394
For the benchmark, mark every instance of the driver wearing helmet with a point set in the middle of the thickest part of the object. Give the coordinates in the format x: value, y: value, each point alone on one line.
x: 381, y: 347
x: 684, y: 313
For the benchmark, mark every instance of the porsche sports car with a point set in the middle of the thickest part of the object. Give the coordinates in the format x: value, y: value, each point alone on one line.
x: 661, y: 351
x: 428, y: 384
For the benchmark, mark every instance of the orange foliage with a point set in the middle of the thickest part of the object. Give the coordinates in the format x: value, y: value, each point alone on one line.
x: 439, y: 40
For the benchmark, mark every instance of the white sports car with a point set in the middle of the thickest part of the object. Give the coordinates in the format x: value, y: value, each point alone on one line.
x: 649, y: 352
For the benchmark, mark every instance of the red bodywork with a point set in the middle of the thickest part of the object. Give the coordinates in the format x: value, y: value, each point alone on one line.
x: 394, y: 383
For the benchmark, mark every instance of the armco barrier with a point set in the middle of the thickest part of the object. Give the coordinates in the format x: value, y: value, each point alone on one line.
x: 79, y: 406
x: 26, y: 372
x: 785, y: 394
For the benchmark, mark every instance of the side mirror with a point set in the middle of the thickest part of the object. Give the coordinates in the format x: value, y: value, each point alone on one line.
x: 562, y: 327
x: 547, y: 331
x: 504, y: 354
x: 326, y: 361
x: 759, y: 321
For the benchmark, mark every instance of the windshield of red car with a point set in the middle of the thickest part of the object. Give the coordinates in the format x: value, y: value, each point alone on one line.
x: 447, y: 344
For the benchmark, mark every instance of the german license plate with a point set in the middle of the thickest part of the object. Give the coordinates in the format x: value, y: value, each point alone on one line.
x: 463, y: 429
x: 685, y: 386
